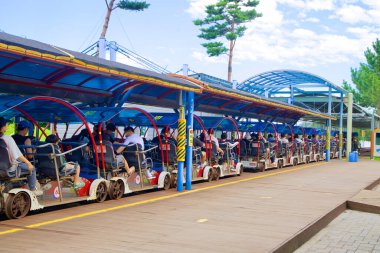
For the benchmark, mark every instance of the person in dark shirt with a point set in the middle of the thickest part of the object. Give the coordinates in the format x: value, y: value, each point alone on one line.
x: 22, y: 139
x: 223, y: 138
x: 165, y: 136
x: 271, y: 138
x: 82, y: 137
x: 107, y: 135
x: 198, y: 144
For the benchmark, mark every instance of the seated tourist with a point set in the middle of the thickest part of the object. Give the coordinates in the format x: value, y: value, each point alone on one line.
x: 22, y: 139
x: 64, y: 165
x: 18, y: 161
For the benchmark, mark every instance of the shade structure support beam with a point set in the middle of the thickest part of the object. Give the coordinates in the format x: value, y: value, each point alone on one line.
x: 372, y: 134
x: 349, y: 123
x: 341, y: 127
x: 328, y: 124
x: 190, y: 132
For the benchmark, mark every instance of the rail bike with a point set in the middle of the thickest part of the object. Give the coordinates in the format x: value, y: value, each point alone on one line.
x: 55, y: 181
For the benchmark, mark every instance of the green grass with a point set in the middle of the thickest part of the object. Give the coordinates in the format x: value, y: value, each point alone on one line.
x: 12, y: 129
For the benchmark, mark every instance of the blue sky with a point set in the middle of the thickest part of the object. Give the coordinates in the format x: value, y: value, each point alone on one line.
x: 324, y: 37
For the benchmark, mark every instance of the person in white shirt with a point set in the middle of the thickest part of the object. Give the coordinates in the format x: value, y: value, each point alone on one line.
x: 131, y: 138
x: 16, y: 158
x: 284, y: 138
x: 214, y: 139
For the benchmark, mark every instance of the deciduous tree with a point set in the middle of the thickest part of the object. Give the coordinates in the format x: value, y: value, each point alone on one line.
x: 367, y: 77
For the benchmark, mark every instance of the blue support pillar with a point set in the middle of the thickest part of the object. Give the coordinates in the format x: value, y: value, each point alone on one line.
x: 328, y: 130
x: 190, y: 135
x: 124, y: 98
x: 291, y: 95
x: 341, y: 127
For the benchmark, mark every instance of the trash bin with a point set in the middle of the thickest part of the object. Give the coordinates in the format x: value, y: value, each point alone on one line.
x: 353, y: 157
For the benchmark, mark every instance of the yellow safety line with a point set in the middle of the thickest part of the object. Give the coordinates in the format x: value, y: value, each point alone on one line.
x: 105, y: 210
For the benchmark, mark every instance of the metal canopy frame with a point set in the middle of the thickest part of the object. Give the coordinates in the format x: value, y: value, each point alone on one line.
x: 27, y: 64
x: 280, y: 82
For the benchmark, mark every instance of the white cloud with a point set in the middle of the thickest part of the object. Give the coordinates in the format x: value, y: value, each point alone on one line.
x: 312, y: 20
x: 197, y: 7
x: 278, y: 38
x: 312, y: 5
x: 202, y: 57
x: 374, y: 4
x: 352, y: 12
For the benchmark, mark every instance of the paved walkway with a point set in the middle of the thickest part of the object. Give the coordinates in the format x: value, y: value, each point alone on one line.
x: 253, y: 213
x: 351, y: 232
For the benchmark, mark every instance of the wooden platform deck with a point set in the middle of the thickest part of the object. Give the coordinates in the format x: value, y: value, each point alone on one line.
x: 257, y: 212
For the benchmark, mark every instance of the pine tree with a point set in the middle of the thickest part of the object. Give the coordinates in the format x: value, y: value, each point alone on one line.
x: 124, y: 5
x: 225, y: 19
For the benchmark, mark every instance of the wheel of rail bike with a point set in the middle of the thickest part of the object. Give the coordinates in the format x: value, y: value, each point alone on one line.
x: 241, y: 170
x: 262, y: 166
x: 217, y: 174
x: 173, y: 182
x: 101, y: 192
x: 281, y: 162
x: 295, y: 162
x: 116, y: 189
x: 210, y: 175
x: 167, y: 182
x: 17, y: 205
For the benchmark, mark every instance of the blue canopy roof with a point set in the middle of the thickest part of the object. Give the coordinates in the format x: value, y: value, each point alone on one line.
x: 219, y: 123
x: 284, y: 128
x: 36, y: 68
x: 257, y: 127
x: 298, y: 130
x: 171, y: 120
x: 43, y: 109
x: 76, y: 76
x: 310, y: 130
x: 279, y: 81
x: 119, y: 116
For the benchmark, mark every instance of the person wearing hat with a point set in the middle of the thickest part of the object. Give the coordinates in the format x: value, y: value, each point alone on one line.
x: 17, y: 159
x: 21, y: 138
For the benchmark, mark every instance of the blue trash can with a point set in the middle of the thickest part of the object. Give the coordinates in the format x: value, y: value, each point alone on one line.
x: 353, y: 156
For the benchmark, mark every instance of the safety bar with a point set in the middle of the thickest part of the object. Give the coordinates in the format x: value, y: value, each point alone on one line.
x: 141, y: 152
x: 60, y: 154
x: 230, y: 145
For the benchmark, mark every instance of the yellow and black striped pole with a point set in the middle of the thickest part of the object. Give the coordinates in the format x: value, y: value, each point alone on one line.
x: 181, y: 140
x: 181, y: 147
